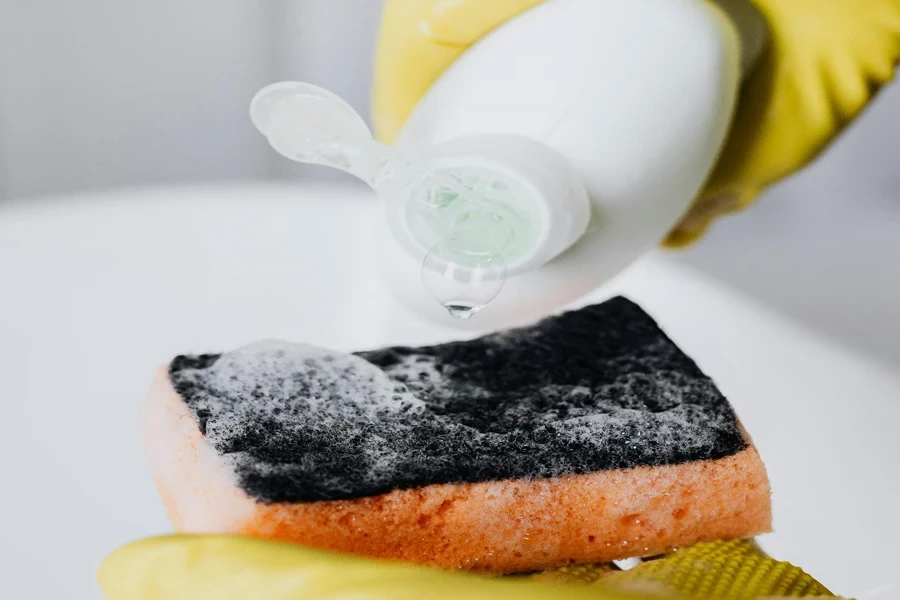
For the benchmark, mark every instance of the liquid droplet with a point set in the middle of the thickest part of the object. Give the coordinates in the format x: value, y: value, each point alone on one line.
x: 463, y: 282
x: 461, y: 310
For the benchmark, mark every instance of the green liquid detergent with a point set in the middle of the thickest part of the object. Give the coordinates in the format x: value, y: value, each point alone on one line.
x: 470, y: 223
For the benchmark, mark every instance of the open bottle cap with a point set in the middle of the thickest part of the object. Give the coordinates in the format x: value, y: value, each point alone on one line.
x: 473, y: 211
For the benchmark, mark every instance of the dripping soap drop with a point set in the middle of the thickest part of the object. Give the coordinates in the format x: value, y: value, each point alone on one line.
x: 463, y: 282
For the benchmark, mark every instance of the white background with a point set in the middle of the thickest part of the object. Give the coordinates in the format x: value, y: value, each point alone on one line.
x: 101, y: 93
x: 214, y: 268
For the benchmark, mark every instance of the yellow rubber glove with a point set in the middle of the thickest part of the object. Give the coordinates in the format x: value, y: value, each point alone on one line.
x: 418, y: 40
x: 241, y: 568
x: 722, y: 570
x: 825, y: 61
x: 238, y: 568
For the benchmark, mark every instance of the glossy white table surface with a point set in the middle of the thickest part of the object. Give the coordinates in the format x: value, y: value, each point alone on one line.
x: 96, y: 290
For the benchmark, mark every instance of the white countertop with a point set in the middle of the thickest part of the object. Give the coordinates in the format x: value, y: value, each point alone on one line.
x: 97, y: 290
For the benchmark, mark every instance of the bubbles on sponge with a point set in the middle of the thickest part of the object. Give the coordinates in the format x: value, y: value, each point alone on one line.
x: 600, y: 388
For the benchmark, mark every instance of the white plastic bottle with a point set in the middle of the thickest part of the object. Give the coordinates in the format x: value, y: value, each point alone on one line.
x: 550, y: 156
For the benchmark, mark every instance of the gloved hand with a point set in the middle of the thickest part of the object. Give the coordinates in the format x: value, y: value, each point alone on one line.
x: 825, y: 61
x: 241, y: 568
x: 236, y: 568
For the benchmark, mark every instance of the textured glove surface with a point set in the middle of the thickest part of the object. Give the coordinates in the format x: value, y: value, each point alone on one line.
x: 184, y: 567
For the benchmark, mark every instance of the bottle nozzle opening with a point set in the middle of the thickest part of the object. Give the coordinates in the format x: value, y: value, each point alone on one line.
x: 473, y: 219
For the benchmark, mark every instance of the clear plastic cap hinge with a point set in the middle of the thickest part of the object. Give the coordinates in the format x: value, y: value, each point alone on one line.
x: 464, y: 267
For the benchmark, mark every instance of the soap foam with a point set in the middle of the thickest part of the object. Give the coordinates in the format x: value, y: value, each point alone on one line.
x: 599, y: 388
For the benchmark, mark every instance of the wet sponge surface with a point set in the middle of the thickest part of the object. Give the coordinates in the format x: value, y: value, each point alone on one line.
x: 594, y: 389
